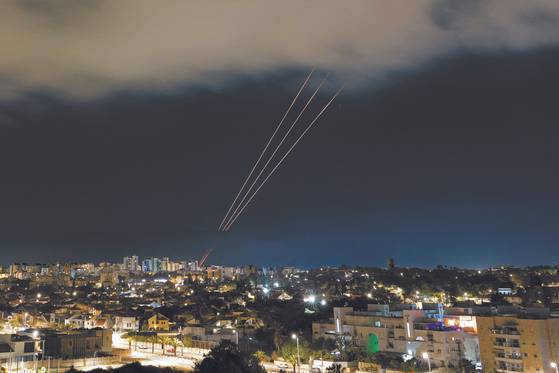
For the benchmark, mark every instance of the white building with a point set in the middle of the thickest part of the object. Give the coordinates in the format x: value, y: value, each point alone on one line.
x: 126, y: 324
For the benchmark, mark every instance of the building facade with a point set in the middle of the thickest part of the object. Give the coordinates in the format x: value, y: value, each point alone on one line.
x: 518, y: 343
x: 410, y: 332
x: 76, y: 344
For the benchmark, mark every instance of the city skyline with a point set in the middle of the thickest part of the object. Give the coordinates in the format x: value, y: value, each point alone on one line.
x: 308, y: 186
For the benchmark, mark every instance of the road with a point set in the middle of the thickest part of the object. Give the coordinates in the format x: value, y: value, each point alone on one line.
x: 186, y: 358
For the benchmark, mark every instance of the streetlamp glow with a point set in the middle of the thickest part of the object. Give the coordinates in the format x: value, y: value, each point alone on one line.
x: 425, y: 356
x: 323, y: 302
x: 296, y: 338
x: 553, y: 364
x: 310, y: 299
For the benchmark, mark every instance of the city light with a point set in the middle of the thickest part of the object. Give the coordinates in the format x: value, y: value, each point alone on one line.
x: 323, y: 302
x: 310, y: 299
x: 425, y: 356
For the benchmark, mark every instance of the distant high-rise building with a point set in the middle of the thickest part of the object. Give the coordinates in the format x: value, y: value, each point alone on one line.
x: 155, y: 265
x: 131, y: 263
x: 147, y: 265
x: 164, y: 265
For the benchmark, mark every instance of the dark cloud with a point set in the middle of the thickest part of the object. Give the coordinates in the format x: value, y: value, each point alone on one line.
x: 89, y: 48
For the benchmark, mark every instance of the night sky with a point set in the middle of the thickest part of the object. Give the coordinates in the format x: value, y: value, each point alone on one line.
x: 452, y: 161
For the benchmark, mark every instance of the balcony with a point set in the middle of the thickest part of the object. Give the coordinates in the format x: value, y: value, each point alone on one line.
x: 508, y: 358
x: 509, y: 367
x: 506, y: 345
x: 506, y: 342
x: 505, y: 331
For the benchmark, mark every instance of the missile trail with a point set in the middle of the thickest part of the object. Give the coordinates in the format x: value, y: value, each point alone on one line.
x: 235, y: 217
x: 276, y: 149
x: 266, y: 148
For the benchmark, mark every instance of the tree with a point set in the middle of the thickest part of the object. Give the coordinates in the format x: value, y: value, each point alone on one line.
x: 170, y: 341
x: 186, y: 341
x: 387, y: 360
x: 226, y: 357
x: 154, y: 339
x: 288, y: 351
x: 261, y: 356
x: 335, y: 368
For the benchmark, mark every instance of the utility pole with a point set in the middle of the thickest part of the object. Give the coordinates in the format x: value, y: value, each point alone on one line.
x: 296, y: 337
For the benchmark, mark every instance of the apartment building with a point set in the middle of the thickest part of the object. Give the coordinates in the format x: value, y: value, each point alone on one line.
x: 17, y: 348
x: 402, y: 329
x: 77, y: 344
x: 527, y: 342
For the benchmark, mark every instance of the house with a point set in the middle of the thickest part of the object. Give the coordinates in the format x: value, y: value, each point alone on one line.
x: 76, y: 321
x: 103, y: 322
x: 158, y: 322
x: 22, y: 348
x: 126, y: 323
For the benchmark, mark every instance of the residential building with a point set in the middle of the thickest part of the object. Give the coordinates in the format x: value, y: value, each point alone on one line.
x: 403, y: 329
x: 131, y: 263
x: 518, y: 343
x: 158, y: 322
x: 15, y: 348
x: 77, y: 344
x: 126, y: 323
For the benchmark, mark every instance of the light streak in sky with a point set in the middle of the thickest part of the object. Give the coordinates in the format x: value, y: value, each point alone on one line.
x: 247, y: 193
x: 236, y: 216
x: 266, y: 148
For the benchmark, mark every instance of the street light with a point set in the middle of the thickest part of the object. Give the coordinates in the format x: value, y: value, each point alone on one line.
x: 425, y: 356
x: 236, y: 336
x: 553, y: 364
x: 296, y: 338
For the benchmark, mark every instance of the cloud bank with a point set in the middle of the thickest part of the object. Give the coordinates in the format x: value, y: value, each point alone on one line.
x: 90, y: 48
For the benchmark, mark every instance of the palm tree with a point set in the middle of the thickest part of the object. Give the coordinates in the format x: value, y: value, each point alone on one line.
x: 154, y: 339
x: 334, y: 368
x: 173, y: 342
x: 289, y: 353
